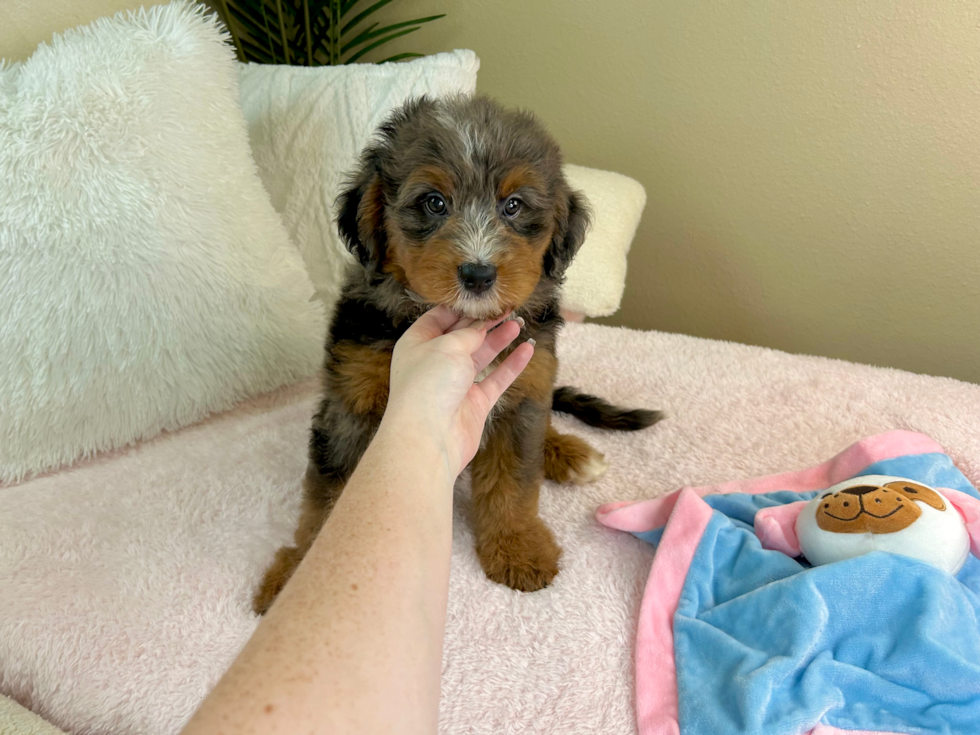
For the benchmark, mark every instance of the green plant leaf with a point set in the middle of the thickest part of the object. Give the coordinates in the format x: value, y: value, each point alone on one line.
x: 377, y: 43
x: 254, y: 50
x: 231, y: 26
x: 399, y: 57
x: 268, y: 32
x: 282, y: 30
x: 247, y: 25
x: 243, y: 8
x: 321, y: 27
x: 362, y: 15
x: 307, y: 32
x: 252, y: 36
x: 368, y: 34
x: 346, y: 7
x: 245, y: 20
x: 361, y: 35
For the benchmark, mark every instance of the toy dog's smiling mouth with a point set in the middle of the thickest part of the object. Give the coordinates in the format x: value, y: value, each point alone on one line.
x: 863, y: 511
x: 852, y: 510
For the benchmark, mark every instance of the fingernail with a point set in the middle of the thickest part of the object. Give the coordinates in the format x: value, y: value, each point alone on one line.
x: 532, y: 342
x: 520, y: 320
x: 479, y: 325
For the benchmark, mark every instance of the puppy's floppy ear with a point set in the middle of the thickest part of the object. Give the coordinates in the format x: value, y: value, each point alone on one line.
x: 360, y: 212
x: 573, y: 219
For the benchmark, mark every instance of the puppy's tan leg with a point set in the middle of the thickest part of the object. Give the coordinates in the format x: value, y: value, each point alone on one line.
x: 568, y: 458
x: 514, y: 545
x: 319, y: 496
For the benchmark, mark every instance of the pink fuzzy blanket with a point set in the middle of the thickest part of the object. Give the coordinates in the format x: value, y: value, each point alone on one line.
x: 126, y: 580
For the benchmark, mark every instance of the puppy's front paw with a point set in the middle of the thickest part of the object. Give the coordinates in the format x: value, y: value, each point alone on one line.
x: 525, y: 560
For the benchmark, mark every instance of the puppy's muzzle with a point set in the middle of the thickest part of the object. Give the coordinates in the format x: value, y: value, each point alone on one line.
x: 477, y: 278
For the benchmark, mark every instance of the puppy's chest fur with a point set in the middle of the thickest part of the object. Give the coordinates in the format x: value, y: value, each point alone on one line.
x: 363, y: 335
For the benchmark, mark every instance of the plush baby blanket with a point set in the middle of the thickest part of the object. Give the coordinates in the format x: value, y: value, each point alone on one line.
x: 734, y: 638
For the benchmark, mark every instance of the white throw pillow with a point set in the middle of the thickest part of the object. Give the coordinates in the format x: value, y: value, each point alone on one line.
x: 596, y: 278
x: 145, y: 279
x: 307, y: 126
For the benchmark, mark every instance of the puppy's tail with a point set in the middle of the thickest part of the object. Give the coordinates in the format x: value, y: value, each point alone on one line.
x: 597, y: 412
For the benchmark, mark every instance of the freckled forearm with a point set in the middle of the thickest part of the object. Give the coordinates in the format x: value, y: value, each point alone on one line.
x: 354, y: 642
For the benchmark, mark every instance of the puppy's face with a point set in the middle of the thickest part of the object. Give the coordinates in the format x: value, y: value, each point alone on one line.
x: 464, y: 204
x: 475, y: 243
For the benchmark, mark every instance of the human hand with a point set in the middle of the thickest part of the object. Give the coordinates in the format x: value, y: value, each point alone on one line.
x: 433, y: 368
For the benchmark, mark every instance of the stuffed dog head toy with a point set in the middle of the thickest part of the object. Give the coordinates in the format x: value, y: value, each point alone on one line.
x: 876, y: 513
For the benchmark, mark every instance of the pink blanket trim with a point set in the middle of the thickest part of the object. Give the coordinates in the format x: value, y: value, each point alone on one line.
x: 657, y: 704
x: 646, y: 515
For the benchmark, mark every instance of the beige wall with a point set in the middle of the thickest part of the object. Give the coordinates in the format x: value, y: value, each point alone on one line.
x: 812, y: 168
x: 25, y: 23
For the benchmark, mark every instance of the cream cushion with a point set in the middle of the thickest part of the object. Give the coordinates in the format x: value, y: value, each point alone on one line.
x: 307, y: 127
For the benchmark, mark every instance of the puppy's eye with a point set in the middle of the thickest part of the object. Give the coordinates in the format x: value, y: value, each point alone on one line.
x: 435, y: 204
x: 512, y: 206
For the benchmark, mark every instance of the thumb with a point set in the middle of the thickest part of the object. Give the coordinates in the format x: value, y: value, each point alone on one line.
x: 433, y: 323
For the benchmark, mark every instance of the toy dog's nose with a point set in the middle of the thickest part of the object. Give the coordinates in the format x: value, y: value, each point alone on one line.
x: 477, y: 277
x: 861, y: 490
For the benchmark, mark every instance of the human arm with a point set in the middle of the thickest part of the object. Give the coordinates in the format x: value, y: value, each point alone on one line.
x: 354, y: 641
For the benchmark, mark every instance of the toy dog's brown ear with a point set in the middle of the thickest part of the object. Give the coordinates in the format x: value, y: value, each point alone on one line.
x: 915, y: 491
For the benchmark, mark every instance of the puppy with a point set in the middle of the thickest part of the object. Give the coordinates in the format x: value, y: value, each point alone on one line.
x: 463, y: 203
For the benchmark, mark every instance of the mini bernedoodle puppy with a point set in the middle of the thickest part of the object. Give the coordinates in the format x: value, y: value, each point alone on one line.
x: 458, y: 202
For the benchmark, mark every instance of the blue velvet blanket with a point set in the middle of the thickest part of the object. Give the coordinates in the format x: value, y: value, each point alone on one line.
x: 734, y: 638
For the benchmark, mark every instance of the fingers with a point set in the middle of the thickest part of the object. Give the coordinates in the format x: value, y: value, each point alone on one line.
x: 469, y: 334
x: 464, y: 323
x: 433, y: 323
x: 494, y: 343
x: 494, y: 385
x: 480, y: 325
x: 470, y: 338
x: 499, y: 320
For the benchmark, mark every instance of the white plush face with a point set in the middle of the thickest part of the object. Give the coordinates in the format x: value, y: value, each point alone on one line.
x: 926, y: 532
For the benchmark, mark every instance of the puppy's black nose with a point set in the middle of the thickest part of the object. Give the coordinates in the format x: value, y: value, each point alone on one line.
x: 477, y: 277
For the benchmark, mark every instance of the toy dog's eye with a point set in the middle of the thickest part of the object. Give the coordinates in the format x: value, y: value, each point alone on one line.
x: 512, y: 206
x: 435, y: 204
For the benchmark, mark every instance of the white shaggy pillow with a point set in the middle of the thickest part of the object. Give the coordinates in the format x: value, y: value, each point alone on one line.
x: 145, y: 279
x: 307, y: 126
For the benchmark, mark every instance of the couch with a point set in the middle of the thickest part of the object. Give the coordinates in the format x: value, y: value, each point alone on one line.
x: 127, y: 574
